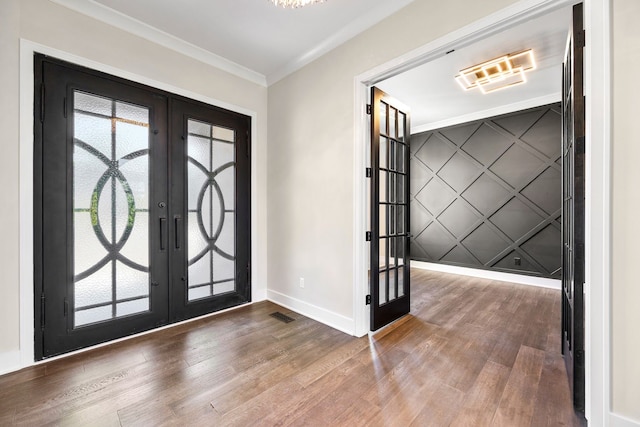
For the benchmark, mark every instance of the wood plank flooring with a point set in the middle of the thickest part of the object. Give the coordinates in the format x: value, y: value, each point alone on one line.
x: 472, y: 352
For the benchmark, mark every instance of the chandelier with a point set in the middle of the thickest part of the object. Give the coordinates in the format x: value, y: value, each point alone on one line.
x: 295, y: 3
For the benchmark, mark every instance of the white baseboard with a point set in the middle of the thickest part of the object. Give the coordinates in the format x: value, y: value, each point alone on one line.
x: 616, y: 420
x: 329, y: 318
x: 259, y: 295
x: 10, y: 361
x: 487, y: 274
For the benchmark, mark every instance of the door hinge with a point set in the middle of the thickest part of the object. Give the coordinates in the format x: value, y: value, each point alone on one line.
x: 248, y: 145
x: 64, y: 107
x: 42, y: 103
x: 368, y: 300
x: 581, y: 39
x: 66, y: 307
x: 369, y: 172
x: 42, y: 304
x: 249, y: 273
x: 368, y: 108
x: 368, y: 236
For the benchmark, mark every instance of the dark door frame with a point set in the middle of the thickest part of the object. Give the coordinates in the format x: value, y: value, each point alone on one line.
x: 160, y: 128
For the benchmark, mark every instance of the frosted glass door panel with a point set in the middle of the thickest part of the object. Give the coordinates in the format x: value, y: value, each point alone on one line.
x: 110, y: 209
x: 211, y: 207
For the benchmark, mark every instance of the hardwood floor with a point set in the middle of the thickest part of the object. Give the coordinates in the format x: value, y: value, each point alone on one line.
x: 472, y: 352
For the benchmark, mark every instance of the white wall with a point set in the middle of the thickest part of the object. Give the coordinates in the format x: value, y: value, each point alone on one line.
x: 54, y: 26
x: 626, y: 208
x: 310, y: 157
x: 9, y: 196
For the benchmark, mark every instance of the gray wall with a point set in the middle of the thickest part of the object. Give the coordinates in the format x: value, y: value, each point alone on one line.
x: 486, y: 194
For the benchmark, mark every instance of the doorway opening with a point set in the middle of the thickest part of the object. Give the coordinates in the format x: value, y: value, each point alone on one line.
x: 552, y: 165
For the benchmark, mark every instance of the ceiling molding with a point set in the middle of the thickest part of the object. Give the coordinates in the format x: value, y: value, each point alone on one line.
x: 503, y: 109
x: 354, y: 28
x: 126, y: 23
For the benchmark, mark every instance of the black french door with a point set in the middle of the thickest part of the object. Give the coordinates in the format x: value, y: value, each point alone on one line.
x: 389, y: 271
x: 142, y: 202
x: 573, y: 215
x: 210, y: 190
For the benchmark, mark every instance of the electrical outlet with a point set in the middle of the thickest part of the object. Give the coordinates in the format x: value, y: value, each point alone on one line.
x: 517, y: 261
x: 302, y: 282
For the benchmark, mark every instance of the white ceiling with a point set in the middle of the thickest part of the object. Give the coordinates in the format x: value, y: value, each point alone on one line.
x: 436, y: 100
x: 269, y: 42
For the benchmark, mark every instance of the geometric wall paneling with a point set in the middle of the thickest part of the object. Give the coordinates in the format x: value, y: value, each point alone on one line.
x: 459, y: 134
x: 543, y: 135
x: 507, y: 263
x: 435, y: 241
x: 518, y: 123
x: 515, y: 219
x: 514, y: 166
x: 435, y: 196
x: 419, y: 176
x: 416, y: 251
x: 435, y: 152
x: 487, y: 143
x: 485, y: 243
x: 543, y: 191
x: 484, y: 196
x: 459, y: 172
x: 460, y: 255
x: 458, y: 218
x: 420, y: 217
x: 541, y: 248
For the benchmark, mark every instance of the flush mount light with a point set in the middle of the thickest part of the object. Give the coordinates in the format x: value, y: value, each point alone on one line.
x: 294, y: 3
x: 499, y: 73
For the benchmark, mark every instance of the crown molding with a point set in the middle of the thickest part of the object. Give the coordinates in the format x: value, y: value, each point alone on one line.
x: 354, y: 28
x: 131, y: 25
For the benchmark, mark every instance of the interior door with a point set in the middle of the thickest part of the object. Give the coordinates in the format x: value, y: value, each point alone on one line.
x: 389, y: 272
x: 142, y: 208
x: 573, y: 215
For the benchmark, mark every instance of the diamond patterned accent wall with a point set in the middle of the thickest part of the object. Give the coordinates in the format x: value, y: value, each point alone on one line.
x: 487, y: 194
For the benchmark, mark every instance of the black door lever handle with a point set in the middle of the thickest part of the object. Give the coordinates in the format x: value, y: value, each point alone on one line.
x: 163, y: 232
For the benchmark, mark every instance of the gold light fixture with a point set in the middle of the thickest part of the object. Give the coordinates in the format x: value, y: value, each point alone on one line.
x: 499, y: 73
x: 294, y: 3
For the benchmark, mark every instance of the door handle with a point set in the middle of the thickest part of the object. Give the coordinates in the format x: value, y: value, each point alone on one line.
x: 177, y: 222
x: 163, y: 232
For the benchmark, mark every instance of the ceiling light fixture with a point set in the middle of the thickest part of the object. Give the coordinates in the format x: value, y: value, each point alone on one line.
x: 499, y: 73
x: 294, y: 3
